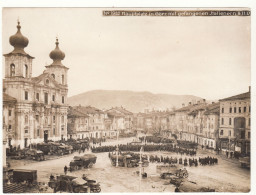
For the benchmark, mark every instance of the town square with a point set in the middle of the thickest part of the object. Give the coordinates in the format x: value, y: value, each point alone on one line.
x: 90, y: 106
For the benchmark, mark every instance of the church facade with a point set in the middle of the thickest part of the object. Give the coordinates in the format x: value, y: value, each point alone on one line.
x: 35, y: 108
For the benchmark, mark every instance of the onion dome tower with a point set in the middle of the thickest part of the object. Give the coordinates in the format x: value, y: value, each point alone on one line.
x: 57, y: 70
x: 57, y: 55
x: 18, y: 41
x: 18, y: 63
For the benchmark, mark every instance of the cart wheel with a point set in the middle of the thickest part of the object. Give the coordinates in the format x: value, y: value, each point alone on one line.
x: 90, y: 165
x: 76, y: 189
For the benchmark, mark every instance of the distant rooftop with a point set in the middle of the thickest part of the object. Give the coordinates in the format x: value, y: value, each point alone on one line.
x: 241, y: 96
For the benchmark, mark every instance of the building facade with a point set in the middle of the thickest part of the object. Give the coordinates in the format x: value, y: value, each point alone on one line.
x: 40, y: 111
x: 235, y: 124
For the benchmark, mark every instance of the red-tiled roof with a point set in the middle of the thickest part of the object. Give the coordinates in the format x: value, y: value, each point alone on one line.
x: 8, y: 98
x: 238, y: 97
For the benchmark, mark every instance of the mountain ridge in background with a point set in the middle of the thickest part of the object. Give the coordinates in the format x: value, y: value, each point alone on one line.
x: 130, y: 100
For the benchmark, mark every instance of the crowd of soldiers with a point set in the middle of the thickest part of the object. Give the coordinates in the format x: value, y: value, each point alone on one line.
x: 187, y: 161
x: 147, y: 148
x: 208, y: 160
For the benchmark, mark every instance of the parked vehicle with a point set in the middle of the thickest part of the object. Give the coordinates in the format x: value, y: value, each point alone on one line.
x: 71, y: 184
x: 128, y: 159
x: 35, y: 154
x: 44, y: 147
x: 245, y: 162
x: 21, y: 175
x: 85, y: 161
x: 92, y: 184
x: 189, y: 186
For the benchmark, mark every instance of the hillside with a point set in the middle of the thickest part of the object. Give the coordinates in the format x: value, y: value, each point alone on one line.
x: 132, y: 101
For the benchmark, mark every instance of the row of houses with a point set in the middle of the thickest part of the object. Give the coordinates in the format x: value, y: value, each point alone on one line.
x: 90, y: 122
x: 224, y: 126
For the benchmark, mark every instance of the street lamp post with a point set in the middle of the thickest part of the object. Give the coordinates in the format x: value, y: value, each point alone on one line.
x: 229, y: 146
x: 140, y: 164
x: 117, y: 149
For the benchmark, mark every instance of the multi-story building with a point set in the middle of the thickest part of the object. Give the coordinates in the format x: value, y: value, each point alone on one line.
x: 128, y: 117
x: 211, y: 125
x: 78, y: 124
x: 235, y: 123
x: 96, y: 125
x: 40, y: 111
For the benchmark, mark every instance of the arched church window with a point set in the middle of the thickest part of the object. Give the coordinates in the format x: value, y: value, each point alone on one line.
x: 26, y: 119
x: 47, y: 82
x: 62, y: 79
x: 25, y: 71
x: 53, y: 76
x: 12, y: 70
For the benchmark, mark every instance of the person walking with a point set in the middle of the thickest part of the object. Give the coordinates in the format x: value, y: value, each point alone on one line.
x: 65, y: 170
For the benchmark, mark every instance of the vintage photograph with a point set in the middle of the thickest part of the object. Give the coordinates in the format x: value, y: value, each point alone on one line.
x: 103, y: 100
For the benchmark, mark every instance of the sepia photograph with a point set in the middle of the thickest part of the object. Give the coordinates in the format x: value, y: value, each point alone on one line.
x: 126, y: 100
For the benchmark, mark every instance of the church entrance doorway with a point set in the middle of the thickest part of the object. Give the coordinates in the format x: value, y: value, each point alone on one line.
x: 45, y: 136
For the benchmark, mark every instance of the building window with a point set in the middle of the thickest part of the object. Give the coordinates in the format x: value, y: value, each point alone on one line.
x: 249, y: 121
x: 26, y: 119
x: 222, y: 121
x: 230, y: 121
x: 12, y: 70
x: 10, y: 112
x: 47, y: 82
x: 53, y: 98
x: 37, y: 96
x: 222, y: 110
x: 62, y: 79
x: 46, y: 120
x: 53, y: 76
x: 26, y: 131
x: 26, y: 95
x: 62, y: 99
x: 10, y: 127
x: 25, y: 71
x: 37, y: 118
x: 53, y: 131
x: 229, y: 133
x: 221, y: 132
x: 234, y: 109
x: 53, y: 118
x: 230, y: 110
x: 46, y: 98
x: 249, y: 135
x: 38, y: 132
x: 244, y: 109
x: 62, y: 129
x: 239, y: 109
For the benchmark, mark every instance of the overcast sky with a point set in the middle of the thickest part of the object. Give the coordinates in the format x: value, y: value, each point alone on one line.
x: 204, y: 56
